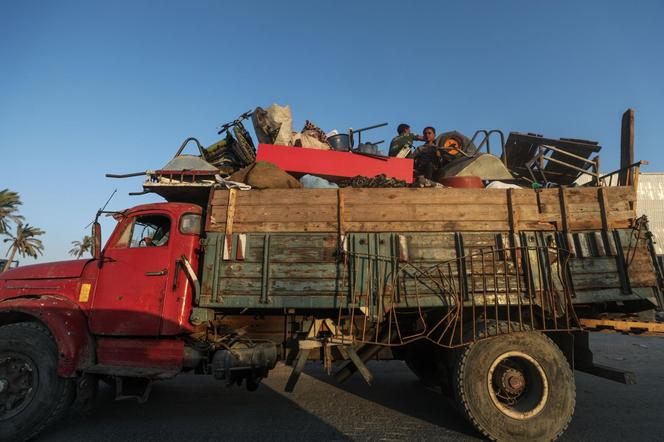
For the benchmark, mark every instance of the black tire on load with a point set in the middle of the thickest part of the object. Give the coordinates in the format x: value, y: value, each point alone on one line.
x: 515, y: 387
x: 32, y: 395
x: 460, y: 139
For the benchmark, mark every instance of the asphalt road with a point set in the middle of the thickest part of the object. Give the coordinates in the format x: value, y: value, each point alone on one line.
x: 397, y: 407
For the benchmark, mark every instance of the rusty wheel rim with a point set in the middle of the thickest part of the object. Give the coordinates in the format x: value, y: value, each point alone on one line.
x: 517, y: 385
x: 18, y: 383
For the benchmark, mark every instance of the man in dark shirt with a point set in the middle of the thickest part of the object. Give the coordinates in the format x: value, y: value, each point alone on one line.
x: 427, y: 157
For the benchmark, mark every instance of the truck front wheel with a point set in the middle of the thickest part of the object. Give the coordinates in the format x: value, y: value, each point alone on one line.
x: 515, y: 387
x: 32, y: 395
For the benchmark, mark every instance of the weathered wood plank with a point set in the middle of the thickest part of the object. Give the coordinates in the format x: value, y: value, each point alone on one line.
x: 604, y: 264
x: 257, y: 197
x: 602, y: 280
x: 375, y: 197
x: 417, y: 254
x: 283, y: 270
x: 426, y: 213
x: 580, y: 195
x: 291, y: 287
x: 278, y: 213
x: 271, y: 227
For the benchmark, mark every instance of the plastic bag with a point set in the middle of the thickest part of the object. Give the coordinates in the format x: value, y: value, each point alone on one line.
x: 316, y: 182
x: 273, y: 125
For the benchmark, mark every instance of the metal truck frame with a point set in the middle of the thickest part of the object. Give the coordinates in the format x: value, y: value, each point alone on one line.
x: 487, y: 294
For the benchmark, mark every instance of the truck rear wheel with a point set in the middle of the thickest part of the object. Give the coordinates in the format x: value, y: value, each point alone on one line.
x: 515, y: 387
x: 32, y: 395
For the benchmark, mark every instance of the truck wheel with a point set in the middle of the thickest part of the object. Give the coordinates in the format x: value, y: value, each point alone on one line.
x: 515, y: 387
x: 32, y: 395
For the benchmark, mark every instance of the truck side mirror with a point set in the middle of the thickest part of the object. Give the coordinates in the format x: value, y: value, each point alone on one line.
x: 96, y: 240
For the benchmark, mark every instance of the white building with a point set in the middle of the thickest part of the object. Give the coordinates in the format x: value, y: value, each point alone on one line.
x: 650, y: 202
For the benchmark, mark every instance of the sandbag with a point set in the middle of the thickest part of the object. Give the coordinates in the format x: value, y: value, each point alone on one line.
x: 301, y: 139
x: 265, y: 175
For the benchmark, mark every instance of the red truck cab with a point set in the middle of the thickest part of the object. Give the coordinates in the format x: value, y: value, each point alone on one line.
x: 117, y: 312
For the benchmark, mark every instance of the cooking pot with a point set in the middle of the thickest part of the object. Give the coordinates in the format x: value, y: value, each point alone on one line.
x: 340, y: 142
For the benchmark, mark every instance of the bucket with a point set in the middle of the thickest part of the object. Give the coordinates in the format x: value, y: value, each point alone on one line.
x: 340, y: 142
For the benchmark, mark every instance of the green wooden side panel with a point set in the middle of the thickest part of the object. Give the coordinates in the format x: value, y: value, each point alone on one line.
x: 309, y: 270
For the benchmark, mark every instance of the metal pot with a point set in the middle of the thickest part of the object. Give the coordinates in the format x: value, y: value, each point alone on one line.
x: 340, y: 142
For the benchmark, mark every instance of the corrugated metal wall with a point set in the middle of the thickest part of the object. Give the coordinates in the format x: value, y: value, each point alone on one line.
x: 650, y: 202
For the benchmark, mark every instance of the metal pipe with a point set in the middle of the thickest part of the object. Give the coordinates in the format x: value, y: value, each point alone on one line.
x: 184, y: 143
x: 124, y: 175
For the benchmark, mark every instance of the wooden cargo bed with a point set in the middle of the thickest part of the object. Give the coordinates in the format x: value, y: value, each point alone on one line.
x: 303, y: 248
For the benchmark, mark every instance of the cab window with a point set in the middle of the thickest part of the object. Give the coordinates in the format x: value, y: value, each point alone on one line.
x: 146, y: 231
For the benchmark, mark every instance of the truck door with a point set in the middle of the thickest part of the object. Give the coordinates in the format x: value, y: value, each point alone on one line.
x: 132, y: 281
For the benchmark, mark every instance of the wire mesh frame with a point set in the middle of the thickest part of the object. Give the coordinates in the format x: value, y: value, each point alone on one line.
x: 526, y: 287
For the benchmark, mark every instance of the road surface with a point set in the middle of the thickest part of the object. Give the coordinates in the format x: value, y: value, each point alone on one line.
x: 396, y: 408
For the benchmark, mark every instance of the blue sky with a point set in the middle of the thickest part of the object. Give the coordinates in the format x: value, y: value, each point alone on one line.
x: 93, y: 87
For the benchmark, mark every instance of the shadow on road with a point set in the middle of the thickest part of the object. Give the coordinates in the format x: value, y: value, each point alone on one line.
x: 396, y: 388
x: 194, y: 408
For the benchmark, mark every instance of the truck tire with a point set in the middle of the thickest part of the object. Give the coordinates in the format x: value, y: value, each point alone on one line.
x: 32, y: 395
x: 515, y: 387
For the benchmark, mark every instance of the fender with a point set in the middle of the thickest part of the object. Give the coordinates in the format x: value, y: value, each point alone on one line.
x: 66, y: 322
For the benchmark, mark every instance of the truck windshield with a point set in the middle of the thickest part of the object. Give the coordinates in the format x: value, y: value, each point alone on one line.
x: 150, y: 231
x: 145, y: 231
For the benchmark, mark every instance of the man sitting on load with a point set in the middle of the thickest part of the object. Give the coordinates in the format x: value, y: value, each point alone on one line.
x: 427, y: 157
x: 402, y: 145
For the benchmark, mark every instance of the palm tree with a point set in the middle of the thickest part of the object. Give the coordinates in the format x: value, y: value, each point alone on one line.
x: 24, y: 242
x: 80, y: 247
x: 9, y: 202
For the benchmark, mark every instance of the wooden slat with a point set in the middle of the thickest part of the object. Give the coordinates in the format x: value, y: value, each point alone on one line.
x: 341, y: 212
x: 593, y: 265
x: 269, y: 227
x: 598, y: 281
x: 435, y: 226
x: 282, y: 270
x: 278, y: 213
x: 376, y: 197
x: 290, y: 287
x: 284, y: 196
x: 425, y: 213
x: 418, y: 196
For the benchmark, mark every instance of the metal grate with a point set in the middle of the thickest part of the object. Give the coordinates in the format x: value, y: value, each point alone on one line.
x: 526, y: 287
